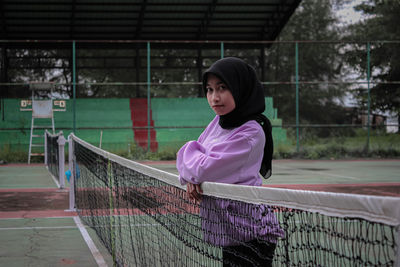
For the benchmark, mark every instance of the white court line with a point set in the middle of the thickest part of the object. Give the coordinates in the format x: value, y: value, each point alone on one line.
x: 55, y: 180
x: 319, y: 172
x: 95, y: 252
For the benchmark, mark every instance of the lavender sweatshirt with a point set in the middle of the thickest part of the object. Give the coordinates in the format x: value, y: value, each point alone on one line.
x: 233, y: 157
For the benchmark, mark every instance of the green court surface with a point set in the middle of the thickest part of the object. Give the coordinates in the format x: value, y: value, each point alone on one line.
x: 324, y: 171
x: 43, y: 233
x: 22, y: 176
x: 335, y: 172
x: 371, y: 177
x: 45, y: 242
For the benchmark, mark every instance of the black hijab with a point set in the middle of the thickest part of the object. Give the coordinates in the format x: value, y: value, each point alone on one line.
x: 248, y: 93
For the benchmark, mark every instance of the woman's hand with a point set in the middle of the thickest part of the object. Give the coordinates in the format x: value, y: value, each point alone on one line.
x: 194, y: 191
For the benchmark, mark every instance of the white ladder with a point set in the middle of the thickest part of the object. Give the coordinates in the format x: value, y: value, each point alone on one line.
x: 41, y: 109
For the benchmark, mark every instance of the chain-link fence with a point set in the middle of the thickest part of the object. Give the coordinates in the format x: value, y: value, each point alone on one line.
x: 325, y: 99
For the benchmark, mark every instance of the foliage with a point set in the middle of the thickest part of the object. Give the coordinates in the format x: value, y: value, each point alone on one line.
x: 382, y: 145
x: 318, y: 102
x: 135, y: 152
x: 7, y: 154
x: 46, y: 65
x: 381, y: 23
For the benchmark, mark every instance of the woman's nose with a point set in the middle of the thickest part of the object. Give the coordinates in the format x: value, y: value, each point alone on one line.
x: 216, y: 96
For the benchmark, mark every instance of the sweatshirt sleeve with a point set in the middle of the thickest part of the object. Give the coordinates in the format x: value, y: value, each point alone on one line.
x: 221, y: 163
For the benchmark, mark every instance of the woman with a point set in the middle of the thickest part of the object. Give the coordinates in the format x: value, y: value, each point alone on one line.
x: 233, y: 149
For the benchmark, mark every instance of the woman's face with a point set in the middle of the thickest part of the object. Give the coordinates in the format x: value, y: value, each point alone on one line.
x: 219, y: 96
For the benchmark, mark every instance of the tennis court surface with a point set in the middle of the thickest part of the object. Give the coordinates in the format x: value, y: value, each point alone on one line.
x: 133, y: 224
x: 369, y: 177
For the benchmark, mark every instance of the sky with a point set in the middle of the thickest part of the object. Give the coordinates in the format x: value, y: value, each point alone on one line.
x: 347, y: 13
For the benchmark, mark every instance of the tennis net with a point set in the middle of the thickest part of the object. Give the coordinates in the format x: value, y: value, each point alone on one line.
x: 54, y: 160
x: 143, y: 218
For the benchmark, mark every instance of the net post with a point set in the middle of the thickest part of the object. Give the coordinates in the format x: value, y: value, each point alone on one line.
x: 61, y: 159
x: 45, y: 148
x: 72, y: 170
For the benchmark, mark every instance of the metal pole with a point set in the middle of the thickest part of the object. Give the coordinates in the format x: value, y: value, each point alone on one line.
x: 61, y: 161
x: 137, y: 68
x: 222, y: 49
x: 262, y: 63
x: 45, y: 149
x: 297, y: 97
x: 72, y: 170
x: 369, y: 95
x: 199, y: 64
x: 111, y: 208
x: 3, y: 79
x: 148, y: 96
x: 74, y: 86
x: 101, y: 138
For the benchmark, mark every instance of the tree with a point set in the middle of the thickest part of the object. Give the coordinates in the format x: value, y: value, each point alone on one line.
x: 382, y: 23
x: 34, y: 64
x: 318, y: 61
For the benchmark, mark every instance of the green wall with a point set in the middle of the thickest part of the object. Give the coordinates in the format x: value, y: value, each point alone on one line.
x: 194, y: 112
x: 90, y: 113
x: 108, y: 114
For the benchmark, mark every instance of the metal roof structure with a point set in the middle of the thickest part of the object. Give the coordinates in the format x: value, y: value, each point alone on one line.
x: 247, y: 20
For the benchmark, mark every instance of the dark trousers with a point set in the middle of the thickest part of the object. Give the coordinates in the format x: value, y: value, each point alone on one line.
x: 253, y: 253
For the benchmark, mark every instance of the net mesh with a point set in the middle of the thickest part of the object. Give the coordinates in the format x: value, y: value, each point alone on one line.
x: 144, y: 218
x: 52, y: 154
